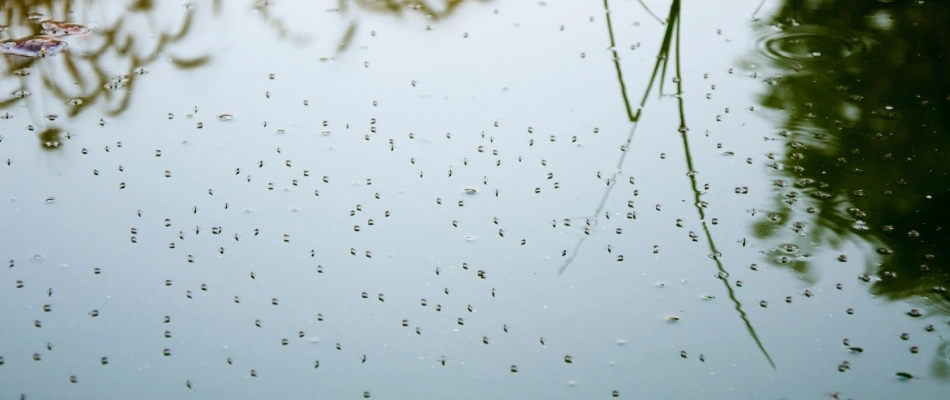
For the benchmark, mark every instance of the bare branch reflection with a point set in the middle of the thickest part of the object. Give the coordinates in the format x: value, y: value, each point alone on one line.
x: 100, y: 67
x: 433, y: 10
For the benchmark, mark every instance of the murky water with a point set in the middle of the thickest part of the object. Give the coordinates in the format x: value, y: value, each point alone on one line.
x: 474, y: 199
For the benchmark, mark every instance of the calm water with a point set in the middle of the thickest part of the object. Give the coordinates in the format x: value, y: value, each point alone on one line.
x: 474, y: 199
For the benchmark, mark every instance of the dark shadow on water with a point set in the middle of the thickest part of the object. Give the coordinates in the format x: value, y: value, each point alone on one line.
x: 671, y: 41
x: 865, y: 90
x: 866, y: 134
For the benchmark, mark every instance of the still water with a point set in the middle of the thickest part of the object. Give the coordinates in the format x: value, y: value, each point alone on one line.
x: 474, y: 199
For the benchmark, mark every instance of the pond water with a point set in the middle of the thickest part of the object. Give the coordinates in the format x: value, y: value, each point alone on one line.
x: 474, y: 199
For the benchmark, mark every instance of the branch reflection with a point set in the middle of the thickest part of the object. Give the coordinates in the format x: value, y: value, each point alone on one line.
x: 434, y: 10
x: 107, y: 49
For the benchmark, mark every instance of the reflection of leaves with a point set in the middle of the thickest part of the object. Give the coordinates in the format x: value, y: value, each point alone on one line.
x: 190, y: 63
x: 142, y: 6
x: 347, y: 37
x: 395, y: 7
x: 424, y: 7
x: 872, y: 136
x: 51, y: 138
x: 8, y: 102
x: 381, y: 6
x: 261, y: 6
x: 88, y: 77
x: 941, y: 364
x: 433, y: 10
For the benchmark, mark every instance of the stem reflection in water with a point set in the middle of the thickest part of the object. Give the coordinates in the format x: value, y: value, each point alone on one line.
x: 672, y: 34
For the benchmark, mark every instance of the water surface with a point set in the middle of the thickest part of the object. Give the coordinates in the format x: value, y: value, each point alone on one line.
x: 471, y: 199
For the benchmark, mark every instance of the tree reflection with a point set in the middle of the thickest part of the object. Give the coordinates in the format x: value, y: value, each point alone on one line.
x: 434, y: 10
x: 865, y: 87
x: 98, y: 68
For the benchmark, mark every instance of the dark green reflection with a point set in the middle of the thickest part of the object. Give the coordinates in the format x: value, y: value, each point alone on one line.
x: 866, y: 132
x: 80, y: 79
x: 865, y: 90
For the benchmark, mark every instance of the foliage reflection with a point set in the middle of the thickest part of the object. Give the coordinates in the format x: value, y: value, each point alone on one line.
x: 99, y: 67
x: 865, y: 87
